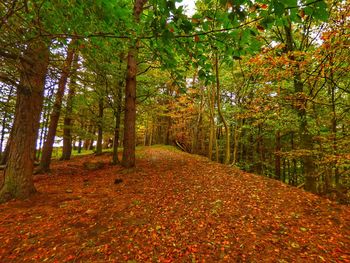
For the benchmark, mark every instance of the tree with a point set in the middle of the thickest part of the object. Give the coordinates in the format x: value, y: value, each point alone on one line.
x: 18, y: 180
x: 130, y: 95
x: 67, y: 129
x: 56, y: 111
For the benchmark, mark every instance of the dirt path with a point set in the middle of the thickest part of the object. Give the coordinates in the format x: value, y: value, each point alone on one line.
x: 173, y: 207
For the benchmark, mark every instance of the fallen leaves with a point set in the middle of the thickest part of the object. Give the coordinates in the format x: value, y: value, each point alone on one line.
x: 162, y: 211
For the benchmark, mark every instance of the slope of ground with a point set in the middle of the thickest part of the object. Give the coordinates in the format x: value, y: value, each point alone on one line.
x: 173, y: 207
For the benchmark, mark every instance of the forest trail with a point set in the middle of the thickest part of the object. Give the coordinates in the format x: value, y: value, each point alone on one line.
x: 174, y: 207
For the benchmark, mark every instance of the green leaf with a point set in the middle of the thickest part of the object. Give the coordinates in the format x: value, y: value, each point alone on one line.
x: 205, y: 26
x: 201, y: 74
x: 278, y: 8
x: 321, y: 11
x: 267, y: 22
x: 291, y: 3
x: 308, y: 11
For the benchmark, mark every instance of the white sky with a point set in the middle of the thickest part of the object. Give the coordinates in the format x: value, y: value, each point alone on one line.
x: 189, y: 6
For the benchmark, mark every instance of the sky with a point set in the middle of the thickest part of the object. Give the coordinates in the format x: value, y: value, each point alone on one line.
x: 189, y: 6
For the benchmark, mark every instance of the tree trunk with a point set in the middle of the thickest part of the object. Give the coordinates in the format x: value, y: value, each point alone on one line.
x: 18, y: 174
x: 212, y: 135
x: 227, y: 129
x: 117, y: 115
x: 301, y: 105
x: 67, y: 122
x: 130, y: 111
x: 55, y: 115
x: 99, y: 127
x: 278, y: 146
x: 284, y: 171
x: 236, y: 137
x: 116, y: 139
x: 334, y: 122
x: 277, y: 156
x: 130, y: 97
x: 45, y: 114
x: 151, y: 135
x: 4, y: 119
x: 168, y: 131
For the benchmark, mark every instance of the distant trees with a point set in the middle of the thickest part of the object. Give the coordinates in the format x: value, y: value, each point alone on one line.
x: 286, y: 103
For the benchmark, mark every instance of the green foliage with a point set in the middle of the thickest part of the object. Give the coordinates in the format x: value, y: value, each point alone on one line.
x: 257, y: 72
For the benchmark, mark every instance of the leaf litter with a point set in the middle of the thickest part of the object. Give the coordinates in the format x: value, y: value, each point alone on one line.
x: 173, y: 207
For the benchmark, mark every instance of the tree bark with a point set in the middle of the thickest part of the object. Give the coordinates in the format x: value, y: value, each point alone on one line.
x: 130, y: 96
x: 236, y: 136
x: 277, y: 156
x: 18, y: 174
x: 227, y: 128
x: 130, y: 111
x: 99, y: 127
x: 212, y: 134
x: 67, y: 122
x: 45, y: 115
x: 117, y: 115
x: 55, y: 115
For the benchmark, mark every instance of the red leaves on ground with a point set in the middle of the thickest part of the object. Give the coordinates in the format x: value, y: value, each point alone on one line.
x: 173, y: 207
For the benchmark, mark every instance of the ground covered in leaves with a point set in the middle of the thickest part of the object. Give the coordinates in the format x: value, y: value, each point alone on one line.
x: 173, y: 207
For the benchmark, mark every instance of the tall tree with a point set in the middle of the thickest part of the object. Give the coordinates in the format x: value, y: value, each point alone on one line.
x: 218, y: 103
x: 18, y: 180
x: 67, y: 129
x: 129, y: 141
x: 56, y: 111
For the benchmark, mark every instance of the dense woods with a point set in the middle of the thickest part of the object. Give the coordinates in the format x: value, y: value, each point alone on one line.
x: 260, y: 85
x: 147, y: 131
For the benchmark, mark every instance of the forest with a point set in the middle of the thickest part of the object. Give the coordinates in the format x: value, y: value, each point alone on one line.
x: 254, y: 87
x: 263, y: 86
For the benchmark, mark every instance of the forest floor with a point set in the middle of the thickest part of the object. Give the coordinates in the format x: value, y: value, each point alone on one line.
x: 173, y: 207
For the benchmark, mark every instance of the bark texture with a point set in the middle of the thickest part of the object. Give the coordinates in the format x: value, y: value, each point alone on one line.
x: 130, y: 96
x: 67, y: 122
x: 18, y: 174
x: 117, y: 115
x: 55, y: 115
x: 227, y: 128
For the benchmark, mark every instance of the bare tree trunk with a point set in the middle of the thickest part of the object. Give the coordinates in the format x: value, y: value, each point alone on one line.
x: 277, y: 156
x: 4, y: 119
x: 227, y: 128
x: 168, y: 131
x: 130, y: 111
x: 45, y: 115
x: 55, y: 115
x: 130, y: 97
x: 80, y: 144
x: 212, y: 134
x: 67, y: 122
x: 151, y: 134
x: 18, y: 174
x: 99, y: 127
x: 118, y: 113
x: 334, y: 122
x: 278, y: 144
x: 236, y: 136
x: 197, y: 128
